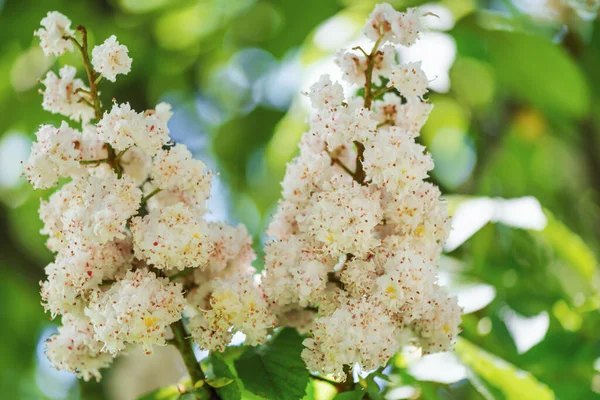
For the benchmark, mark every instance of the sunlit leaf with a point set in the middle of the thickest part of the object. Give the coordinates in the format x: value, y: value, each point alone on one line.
x: 521, y: 62
x: 165, y: 393
x: 219, y: 382
x: 275, y: 370
x: 514, y: 383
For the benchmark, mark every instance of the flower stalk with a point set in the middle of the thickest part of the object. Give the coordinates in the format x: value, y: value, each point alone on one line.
x: 184, y: 346
x: 93, y: 81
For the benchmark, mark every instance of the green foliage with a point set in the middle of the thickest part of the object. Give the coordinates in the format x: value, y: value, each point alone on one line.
x: 220, y: 368
x: 275, y: 370
x: 512, y: 382
x: 524, y: 100
x: 165, y: 393
x: 357, y: 394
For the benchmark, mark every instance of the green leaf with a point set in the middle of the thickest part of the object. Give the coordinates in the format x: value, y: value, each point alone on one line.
x: 570, y: 247
x: 514, y: 383
x: 357, y: 394
x: 539, y: 72
x: 164, y: 393
x: 373, y: 388
x: 275, y: 370
x: 219, y: 382
x: 198, y: 384
x: 221, y: 369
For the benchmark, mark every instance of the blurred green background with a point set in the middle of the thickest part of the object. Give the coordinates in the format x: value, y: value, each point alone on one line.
x: 515, y: 86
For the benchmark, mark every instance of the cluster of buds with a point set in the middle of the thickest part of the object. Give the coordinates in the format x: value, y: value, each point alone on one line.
x: 358, y: 234
x: 133, y: 247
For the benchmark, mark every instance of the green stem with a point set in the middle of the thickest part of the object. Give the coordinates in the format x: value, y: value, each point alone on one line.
x: 384, y: 124
x: 369, y: 73
x: 82, y: 90
x: 152, y: 193
x: 361, y: 50
x: 184, y: 345
x: 181, y: 274
x: 93, y: 92
x: 83, y: 49
x: 87, y: 162
x: 348, y: 384
x: 382, y: 91
x: 335, y: 160
x: 360, y: 175
x: 121, y: 153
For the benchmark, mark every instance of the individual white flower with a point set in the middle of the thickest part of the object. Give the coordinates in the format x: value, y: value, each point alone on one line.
x: 281, y: 259
x: 91, y: 146
x: 111, y: 58
x: 137, y: 309
x: 407, y: 26
x: 407, y: 284
x: 292, y: 276
x: 172, y: 237
x: 343, y: 218
x: 414, y: 114
x: 393, y: 159
x: 136, y: 164
x: 234, y: 305
x: 325, y: 94
x: 101, y: 206
x: 409, y: 79
x: 156, y: 126
x: 353, y: 66
x: 122, y: 128
x: 357, y: 332
x: 79, y: 269
x: 230, y: 249
x: 439, y: 327
x: 52, y: 36
x: 410, y: 116
x: 51, y: 213
x: 379, y: 23
x: 306, y: 174
x: 63, y: 95
x: 387, y: 110
x: 341, y: 126
x: 359, y: 275
x: 420, y: 217
x: 53, y: 156
x: 74, y: 349
x: 176, y: 170
x: 284, y: 222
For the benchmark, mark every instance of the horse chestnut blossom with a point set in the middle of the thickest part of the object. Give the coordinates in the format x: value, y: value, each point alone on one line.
x: 56, y: 27
x: 111, y: 59
x: 65, y: 95
x: 357, y: 236
x: 133, y: 247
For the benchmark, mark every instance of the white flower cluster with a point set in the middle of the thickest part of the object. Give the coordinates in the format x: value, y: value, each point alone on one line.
x: 359, y: 231
x: 133, y: 249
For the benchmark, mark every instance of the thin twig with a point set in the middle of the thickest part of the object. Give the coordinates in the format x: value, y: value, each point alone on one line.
x: 382, y: 91
x: 150, y: 195
x: 361, y: 50
x: 335, y: 160
x: 87, y: 162
x: 369, y: 73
